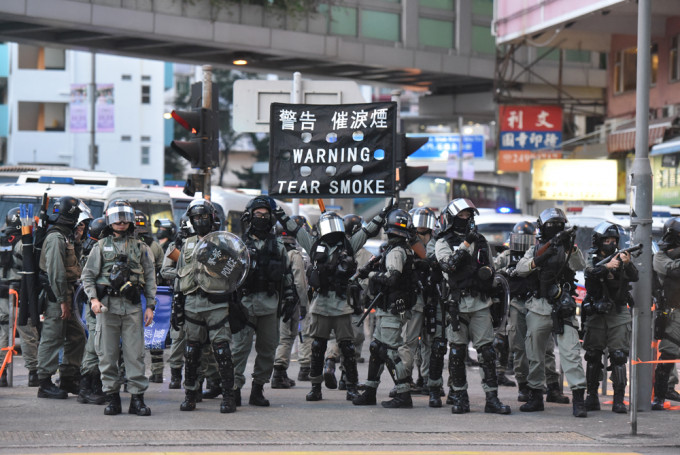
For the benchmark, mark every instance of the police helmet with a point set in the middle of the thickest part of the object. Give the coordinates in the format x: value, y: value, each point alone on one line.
x: 120, y: 211
x: 455, y: 207
x: 671, y: 231
x: 399, y: 223
x: 201, y: 215
x: 85, y: 214
x: 353, y: 223
x: 523, y: 236
x: 185, y: 227
x: 167, y: 229
x: 66, y: 211
x: 13, y: 220
x: 550, y: 222
x: 141, y: 222
x: 97, y: 227
x: 261, y: 224
x: 424, y: 217
x: 604, y: 230
x: 329, y: 224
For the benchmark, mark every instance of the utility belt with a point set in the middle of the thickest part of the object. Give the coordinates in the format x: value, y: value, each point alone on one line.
x: 132, y: 293
x: 339, y: 289
x: 45, y: 283
x: 222, y: 297
x: 258, y: 286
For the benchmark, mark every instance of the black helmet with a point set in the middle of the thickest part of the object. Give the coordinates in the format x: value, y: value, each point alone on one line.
x: 399, y: 223
x: 259, y: 224
x: 97, y: 227
x: 550, y: 222
x: 13, y: 220
x: 141, y: 222
x: 605, y: 230
x: 523, y: 236
x: 201, y: 214
x: 331, y: 227
x: 423, y: 217
x: 167, y: 229
x: 185, y: 227
x: 353, y: 223
x: 671, y: 232
x: 66, y: 211
x: 120, y: 211
x: 455, y: 222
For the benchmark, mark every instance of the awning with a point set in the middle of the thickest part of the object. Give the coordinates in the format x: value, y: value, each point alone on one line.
x: 623, y: 140
x: 671, y: 146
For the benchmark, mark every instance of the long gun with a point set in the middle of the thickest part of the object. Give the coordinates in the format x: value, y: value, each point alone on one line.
x: 632, y: 250
x: 369, y: 308
x: 354, y: 290
x: 561, y: 236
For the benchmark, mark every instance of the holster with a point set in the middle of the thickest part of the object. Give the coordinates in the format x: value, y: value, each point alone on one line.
x: 45, y: 283
x: 558, y: 322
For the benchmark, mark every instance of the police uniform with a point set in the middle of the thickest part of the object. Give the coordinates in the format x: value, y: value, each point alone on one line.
x: 61, y: 268
x: 8, y: 276
x: 553, y: 278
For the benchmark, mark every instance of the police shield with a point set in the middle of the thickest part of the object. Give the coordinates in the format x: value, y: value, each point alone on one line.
x: 501, y: 300
x: 221, y: 262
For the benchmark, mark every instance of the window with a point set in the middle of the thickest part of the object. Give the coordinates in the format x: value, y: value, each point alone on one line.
x: 146, y: 94
x: 126, y: 77
x: 343, y: 21
x: 41, y: 58
x: 435, y: 33
x: 625, y: 70
x: 146, y: 154
x: 482, y: 40
x: 439, y: 4
x: 673, y: 60
x: 145, y: 139
x: 42, y: 116
x: 125, y: 138
x: 146, y: 78
x: 482, y: 7
x: 380, y: 25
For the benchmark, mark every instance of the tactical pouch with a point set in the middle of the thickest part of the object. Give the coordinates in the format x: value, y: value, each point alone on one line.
x: 430, y: 315
x: 238, y: 315
x: 218, y: 298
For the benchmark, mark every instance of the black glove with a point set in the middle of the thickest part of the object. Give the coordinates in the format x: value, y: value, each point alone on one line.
x: 398, y: 307
x: 288, y: 305
x: 362, y: 273
x: 547, y: 254
x: 387, y: 209
x: 280, y: 215
x: 472, y: 237
x: 179, y: 241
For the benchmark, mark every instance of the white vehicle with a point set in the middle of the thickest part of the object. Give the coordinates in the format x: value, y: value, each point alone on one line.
x: 621, y: 213
x: 155, y: 202
x: 496, y: 227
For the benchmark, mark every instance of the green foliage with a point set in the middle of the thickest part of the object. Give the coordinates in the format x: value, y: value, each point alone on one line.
x: 248, y: 178
x: 285, y: 7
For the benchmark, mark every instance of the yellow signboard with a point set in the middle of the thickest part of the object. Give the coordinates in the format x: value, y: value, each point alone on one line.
x: 574, y: 180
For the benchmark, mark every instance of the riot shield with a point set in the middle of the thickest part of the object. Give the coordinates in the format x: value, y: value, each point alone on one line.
x: 501, y: 300
x: 221, y: 262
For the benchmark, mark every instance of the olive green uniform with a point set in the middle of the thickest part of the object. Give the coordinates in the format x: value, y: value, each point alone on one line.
x: 123, y: 323
x: 539, y: 330
x: 8, y: 276
x: 60, y: 263
x: 30, y: 338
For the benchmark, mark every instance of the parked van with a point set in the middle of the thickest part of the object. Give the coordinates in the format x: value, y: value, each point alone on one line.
x: 153, y: 201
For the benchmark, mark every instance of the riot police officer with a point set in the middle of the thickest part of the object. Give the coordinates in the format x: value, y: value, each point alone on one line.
x: 60, y: 270
x: 551, y: 308
x: 166, y: 233
x: 267, y: 293
x: 118, y: 270
x: 523, y: 237
x: 605, y: 307
x: 10, y: 236
x: 333, y: 263
x: 463, y: 255
x: 394, y: 286
x: 666, y: 265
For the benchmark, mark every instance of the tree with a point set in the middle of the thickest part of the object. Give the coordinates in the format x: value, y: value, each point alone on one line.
x: 248, y: 178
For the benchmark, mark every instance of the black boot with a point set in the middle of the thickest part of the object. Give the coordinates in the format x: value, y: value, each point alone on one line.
x: 424, y: 389
x: 256, y: 396
x: 535, y: 402
x: 402, y: 400
x: 593, y: 373
x: 342, y: 383
x: 435, y: 399
x: 555, y: 395
x: 33, y: 379
x: 523, y: 395
x: 494, y: 405
x: 280, y: 379
x: 367, y: 397
x: 97, y: 385
x: 137, y: 405
x: 661, y: 376
x: 303, y: 374
x: 228, y: 404
x: 225, y: 366
x: 504, y: 381
x: 329, y: 374
x: 3, y: 379
x: 87, y: 394
x: 619, y: 406
x: 48, y: 390
x: 189, y: 403
x: 156, y: 378
x: 449, y: 397
x: 579, y: 405
x: 671, y: 394
x: 113, y: 406
x: 461, y: 402
x: 237, y: 397
x: 619, y: 381
x: 315, y: 393
x: 70, y: 384
x: 393, y: 392
x: 212, y: 389
x: 352, y: 392
x: 175, y: 378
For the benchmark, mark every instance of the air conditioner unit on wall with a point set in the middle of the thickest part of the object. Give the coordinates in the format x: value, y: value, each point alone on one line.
x: 670, y: 111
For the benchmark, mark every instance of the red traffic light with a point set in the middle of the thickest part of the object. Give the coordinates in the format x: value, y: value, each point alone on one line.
x: 190, y: 120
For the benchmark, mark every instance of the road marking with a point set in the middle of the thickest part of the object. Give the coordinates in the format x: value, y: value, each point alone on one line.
x: 364, y: 452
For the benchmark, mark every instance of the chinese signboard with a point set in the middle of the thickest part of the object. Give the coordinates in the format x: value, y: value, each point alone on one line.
x: 574, y: 180
x: 337, y: 151
x: 440, y: 146
x: 520, y: 160
x: 527, y: 129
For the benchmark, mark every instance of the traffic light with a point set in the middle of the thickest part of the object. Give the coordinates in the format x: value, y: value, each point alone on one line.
x: 202, y: 150
x: 405, y: 147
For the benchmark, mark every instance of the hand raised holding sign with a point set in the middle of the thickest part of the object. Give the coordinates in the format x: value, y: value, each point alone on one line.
x: 280, y: 215
x: 387, y: 209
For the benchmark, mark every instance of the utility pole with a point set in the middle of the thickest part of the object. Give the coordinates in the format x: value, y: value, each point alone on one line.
x: 207, y: 104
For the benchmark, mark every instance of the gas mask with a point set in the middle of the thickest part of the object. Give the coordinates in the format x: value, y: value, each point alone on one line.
x: 608, y: 248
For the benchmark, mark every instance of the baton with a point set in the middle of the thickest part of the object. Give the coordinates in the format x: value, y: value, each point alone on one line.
x: 369, y: 309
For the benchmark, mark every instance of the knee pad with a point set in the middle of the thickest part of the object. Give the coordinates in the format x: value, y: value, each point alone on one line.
x: 348, y: 349
x: 378, y: 349
x: 500, y: 342
x: 319, y: 347
x: 438, y: 347
x: 221, y: 349
x: 618, y: 357
x: 487, y: 353
x: 593, y: 355
x: 458, y: 352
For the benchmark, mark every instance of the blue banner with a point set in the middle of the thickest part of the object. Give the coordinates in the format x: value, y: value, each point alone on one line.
x: 156, y: 334
x: 440, y: 146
